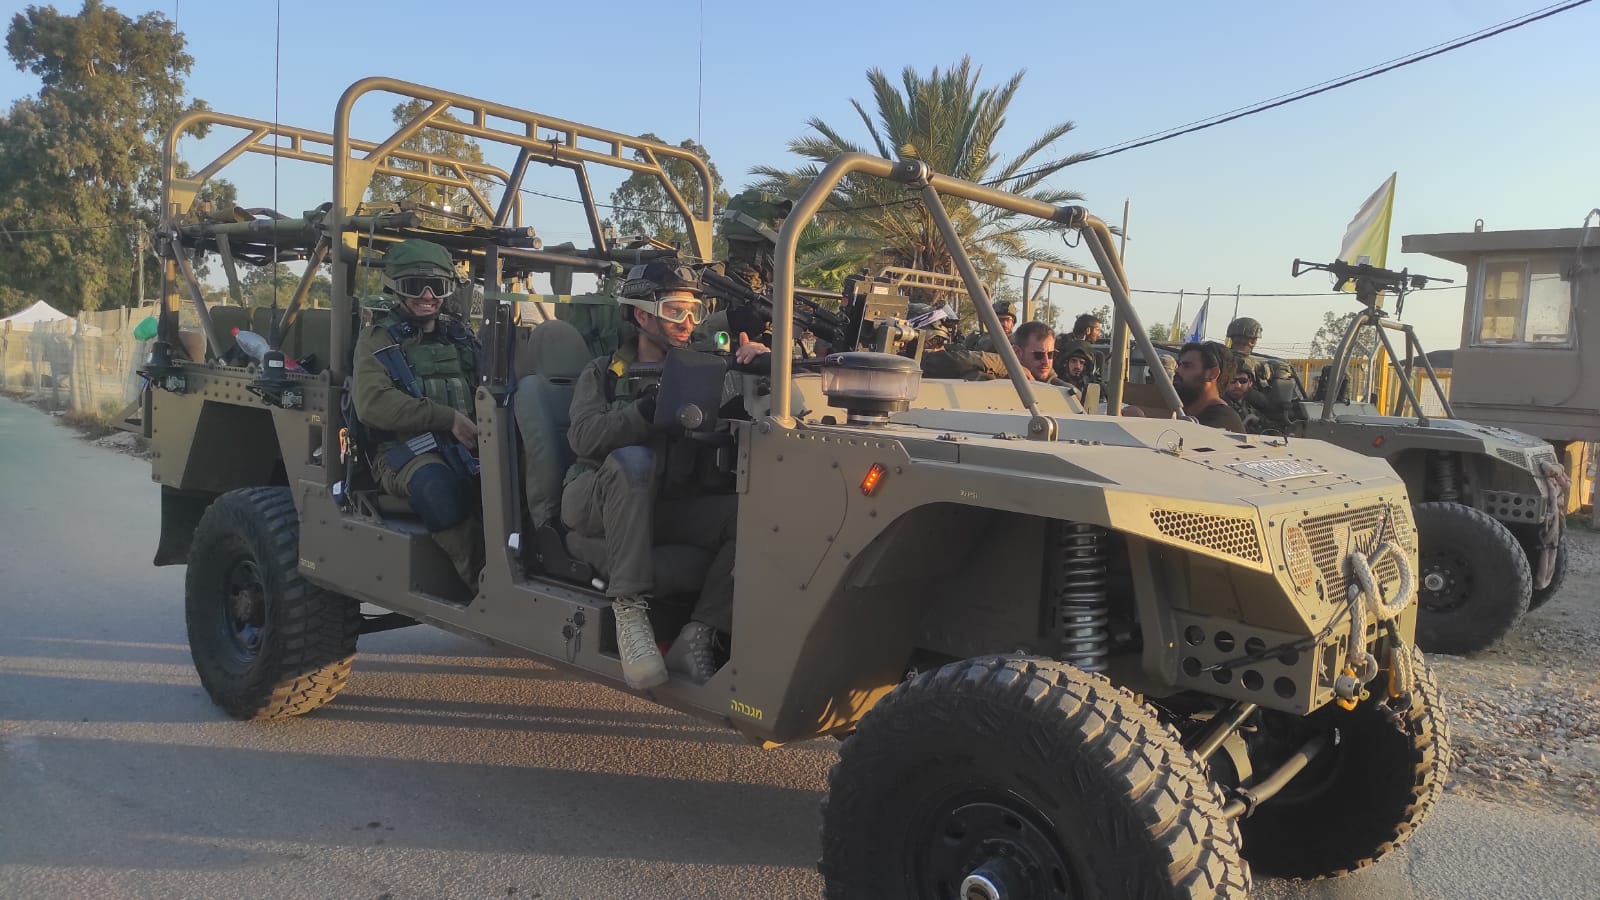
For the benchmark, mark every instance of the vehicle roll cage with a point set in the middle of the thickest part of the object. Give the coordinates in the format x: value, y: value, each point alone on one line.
x: 916, y: 175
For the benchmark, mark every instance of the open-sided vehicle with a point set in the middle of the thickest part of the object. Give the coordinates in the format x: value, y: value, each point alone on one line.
x: 1490, y: 503
x: 1069, y: 655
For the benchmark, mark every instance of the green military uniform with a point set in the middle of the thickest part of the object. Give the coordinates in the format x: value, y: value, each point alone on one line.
x: 619, y: 489
x: 444, y: 361
x: 1269, y: 409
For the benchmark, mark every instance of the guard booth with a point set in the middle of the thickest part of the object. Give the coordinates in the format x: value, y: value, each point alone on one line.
x: 1530, y: 334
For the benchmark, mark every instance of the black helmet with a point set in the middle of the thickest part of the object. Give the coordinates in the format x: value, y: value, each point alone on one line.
x: 646, y: 283
x: 1244, y: 327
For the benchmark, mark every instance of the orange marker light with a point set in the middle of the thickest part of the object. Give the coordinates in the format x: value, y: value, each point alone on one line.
x: 1377, y: 441
x: 873, y: 479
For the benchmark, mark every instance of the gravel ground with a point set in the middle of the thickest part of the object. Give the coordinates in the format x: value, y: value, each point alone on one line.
x: 1524, y: 712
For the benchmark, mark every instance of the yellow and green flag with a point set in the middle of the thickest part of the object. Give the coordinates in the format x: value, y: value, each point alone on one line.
x: 1366, y: 240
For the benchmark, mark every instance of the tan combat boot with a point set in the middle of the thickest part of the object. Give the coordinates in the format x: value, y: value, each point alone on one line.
x: 642, y: 665
x: 694, y: 652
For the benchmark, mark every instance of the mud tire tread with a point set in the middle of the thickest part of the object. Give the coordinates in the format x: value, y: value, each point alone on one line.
x: 309, y: 638
x: 1504, y: 591
x: 1164, y: 836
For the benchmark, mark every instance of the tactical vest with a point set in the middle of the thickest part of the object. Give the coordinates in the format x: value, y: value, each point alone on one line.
x: 444, y: 361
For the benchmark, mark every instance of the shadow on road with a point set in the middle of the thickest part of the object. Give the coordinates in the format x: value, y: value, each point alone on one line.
x: 284, y: 797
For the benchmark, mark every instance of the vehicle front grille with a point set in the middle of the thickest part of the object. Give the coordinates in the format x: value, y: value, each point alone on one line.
x: 1223, y: 534
x: 1513, y: 457
x: 1544, y: 456
x: 1333, y: 536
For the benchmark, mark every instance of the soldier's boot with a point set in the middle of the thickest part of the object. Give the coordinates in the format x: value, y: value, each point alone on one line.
x: 694, y: 653
x: 642, y: 665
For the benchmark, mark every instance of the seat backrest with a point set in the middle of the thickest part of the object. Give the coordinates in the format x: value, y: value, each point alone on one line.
x: 548, y: 362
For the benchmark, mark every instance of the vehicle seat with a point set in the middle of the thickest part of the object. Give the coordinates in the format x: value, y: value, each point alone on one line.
x: 547, y: 363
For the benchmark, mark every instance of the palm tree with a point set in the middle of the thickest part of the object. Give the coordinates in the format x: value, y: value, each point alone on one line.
x: 946, y: 120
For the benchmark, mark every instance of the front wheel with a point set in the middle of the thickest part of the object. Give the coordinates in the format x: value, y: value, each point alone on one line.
x: 1474, y: 583
x: 1541, y: 596
x: 1362, y: 797
x: 1021, y: 777
x: 265, y: 643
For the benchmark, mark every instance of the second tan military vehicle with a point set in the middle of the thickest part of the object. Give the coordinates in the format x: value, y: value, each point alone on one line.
x: 1069, y: 655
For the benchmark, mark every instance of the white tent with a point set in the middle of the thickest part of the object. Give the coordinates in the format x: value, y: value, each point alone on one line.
x: 39, y: 312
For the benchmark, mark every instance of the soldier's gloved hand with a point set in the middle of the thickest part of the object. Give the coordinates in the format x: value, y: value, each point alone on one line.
x: 465, y: 431
x: 646, y: 403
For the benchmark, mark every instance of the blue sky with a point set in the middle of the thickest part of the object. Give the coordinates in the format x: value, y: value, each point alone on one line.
x: 1503, y: 130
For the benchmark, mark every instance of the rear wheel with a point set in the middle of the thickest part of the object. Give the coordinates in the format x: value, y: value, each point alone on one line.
x: 265, y: 643
x: 1474, y: 583
x: 1364, y: 795
x: 1019, y: 777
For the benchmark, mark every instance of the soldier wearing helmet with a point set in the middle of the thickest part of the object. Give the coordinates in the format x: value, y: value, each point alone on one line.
x: 985, y: 343
x: 442, y: 356
x: 617, y: 491
x: 1271, y: 395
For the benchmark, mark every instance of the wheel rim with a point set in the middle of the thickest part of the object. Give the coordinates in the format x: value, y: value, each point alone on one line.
x: 1446, y: 583
x: 244, y: 609
x: 987, y: 846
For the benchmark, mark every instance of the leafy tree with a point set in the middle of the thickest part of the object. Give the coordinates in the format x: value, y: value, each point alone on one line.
x: 1159, y: 331
x: 259, y: 284
x: 1325, y: 343
x: 437, y: 142
x: 948, y: 121
x: 640, y: 205
x: 80, y: 162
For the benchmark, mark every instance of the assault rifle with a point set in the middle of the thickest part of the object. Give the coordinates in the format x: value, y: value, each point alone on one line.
x: 808, y: 314
x: 455, y: 454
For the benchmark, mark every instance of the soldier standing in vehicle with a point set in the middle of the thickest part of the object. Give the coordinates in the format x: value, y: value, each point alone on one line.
x: 413, y: 457
x: 1273, y: 392
x: 1199, y: 367
x: 985, y: 343
x: 617, y: 490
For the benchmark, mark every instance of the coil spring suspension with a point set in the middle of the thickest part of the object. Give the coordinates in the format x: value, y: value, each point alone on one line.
x: 1446, y: 478
x: 1082, y: 608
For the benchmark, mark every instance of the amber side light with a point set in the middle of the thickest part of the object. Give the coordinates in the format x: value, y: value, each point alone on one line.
x: 874, y: 477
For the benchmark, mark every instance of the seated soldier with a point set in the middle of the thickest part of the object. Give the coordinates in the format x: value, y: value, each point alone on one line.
x: 617, y: 490
x: 1036, y: 350
x: 1237, y: 396
x: 1199, y: 368
x: 1075, y: 363
x: 439, y: 358
x: 984, y: 343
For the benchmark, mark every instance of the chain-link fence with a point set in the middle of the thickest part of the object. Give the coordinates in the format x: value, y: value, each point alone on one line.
x: 84, y: 365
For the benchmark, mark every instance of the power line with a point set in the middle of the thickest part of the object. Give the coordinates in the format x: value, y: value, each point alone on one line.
x: 1306, y: 93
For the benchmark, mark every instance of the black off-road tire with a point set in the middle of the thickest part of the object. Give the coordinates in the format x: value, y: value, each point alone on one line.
x: 1541, y: 596
x: 1364, y: 796
x: 266, y: 644
x: 1028, y: 760
x: 1485, y: 573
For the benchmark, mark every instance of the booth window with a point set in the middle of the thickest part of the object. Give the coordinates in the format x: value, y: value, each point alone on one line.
x: 1524, y: 302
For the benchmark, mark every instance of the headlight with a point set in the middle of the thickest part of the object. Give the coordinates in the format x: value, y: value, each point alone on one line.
x: 1297, y: 555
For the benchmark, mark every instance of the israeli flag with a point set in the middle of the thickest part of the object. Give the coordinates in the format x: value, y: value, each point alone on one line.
x: 1197, y: 328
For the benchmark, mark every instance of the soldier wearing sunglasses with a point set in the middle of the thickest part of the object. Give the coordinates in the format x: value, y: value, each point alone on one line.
x: 1035, y: 344
x: 441, y: 356
x: 617, y: 491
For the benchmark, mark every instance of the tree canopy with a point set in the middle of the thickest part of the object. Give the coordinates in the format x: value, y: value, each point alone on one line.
x: 438, y: 142
x: 949, y: 121
x: 640, y: 205
x: 1325, y: 343
x: 80, y: 161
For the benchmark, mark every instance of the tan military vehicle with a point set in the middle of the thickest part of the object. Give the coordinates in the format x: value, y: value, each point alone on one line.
x: 1069, y: 655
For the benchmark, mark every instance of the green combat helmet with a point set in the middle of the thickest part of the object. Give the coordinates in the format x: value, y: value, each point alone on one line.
x: 750, y: 224
x: 1244, y: 327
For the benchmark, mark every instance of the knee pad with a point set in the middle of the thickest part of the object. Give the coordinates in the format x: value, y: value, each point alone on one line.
x: 439, y: 496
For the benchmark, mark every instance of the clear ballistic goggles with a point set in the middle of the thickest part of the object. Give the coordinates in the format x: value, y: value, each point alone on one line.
x: 675, y: 309
x: 411, y: 287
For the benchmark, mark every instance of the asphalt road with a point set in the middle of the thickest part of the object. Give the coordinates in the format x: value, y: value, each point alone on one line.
x: 442, y: 771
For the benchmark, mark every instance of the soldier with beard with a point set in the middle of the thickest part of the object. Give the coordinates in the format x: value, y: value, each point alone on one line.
x: 1199, y: 367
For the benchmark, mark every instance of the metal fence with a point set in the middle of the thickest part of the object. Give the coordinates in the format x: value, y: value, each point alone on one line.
x: 83, y: 365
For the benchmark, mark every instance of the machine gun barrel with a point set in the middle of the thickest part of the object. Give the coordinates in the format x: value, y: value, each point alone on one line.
x: 808, y: 314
